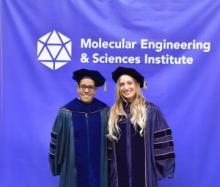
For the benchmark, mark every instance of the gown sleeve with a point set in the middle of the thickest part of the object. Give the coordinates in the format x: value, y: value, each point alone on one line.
x: 58, y: 141
x: 163, y: 146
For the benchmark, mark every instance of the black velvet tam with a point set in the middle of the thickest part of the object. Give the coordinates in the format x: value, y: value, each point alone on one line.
x: 85, y: 73
x: 128, y: 71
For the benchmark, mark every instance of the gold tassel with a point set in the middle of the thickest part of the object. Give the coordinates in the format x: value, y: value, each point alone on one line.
x: 105, y: 87
x: 145, y: 85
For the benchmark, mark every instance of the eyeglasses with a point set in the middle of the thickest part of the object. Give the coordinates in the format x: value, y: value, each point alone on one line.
x: 83, y: 87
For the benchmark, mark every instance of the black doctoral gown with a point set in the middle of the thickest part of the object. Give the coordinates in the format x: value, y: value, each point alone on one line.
x: 140, y: 161
x: 78, y: 147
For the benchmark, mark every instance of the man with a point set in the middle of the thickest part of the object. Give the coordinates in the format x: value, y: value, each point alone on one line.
x: 78, y: 138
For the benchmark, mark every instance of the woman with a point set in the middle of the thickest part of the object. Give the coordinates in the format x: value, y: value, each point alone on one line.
x: 140, y: 146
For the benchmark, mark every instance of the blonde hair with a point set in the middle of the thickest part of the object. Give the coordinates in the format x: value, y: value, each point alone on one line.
x: 137, y: 110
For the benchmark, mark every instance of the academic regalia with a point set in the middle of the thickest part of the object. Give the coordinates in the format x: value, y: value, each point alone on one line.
x: 78, y: 151
x: 140, y: 161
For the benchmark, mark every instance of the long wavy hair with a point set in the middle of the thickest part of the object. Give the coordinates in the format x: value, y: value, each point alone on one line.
x: 137, y: 110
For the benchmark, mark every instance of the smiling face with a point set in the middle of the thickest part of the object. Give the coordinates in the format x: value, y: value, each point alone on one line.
x: 86, y: 90
x: 127, y: 87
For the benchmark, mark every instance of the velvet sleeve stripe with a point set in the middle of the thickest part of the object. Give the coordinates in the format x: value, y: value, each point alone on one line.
x: 51, y: 155
x: 161, y: 133
x: 52, y: 146
x: 53, y: 135
x: 54, y: 141
x: 163, y: 144
x: 165, y: 156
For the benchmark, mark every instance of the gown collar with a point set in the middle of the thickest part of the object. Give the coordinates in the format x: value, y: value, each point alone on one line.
x: 79, y: 106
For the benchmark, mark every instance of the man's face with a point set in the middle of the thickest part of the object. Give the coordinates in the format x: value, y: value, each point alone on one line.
x: 86, y: 90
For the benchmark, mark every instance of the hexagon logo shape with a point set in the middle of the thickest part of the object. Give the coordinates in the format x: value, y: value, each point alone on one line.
x: 54, y: 50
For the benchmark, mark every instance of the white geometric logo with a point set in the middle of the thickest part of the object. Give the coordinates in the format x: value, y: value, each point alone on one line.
x: 54, y: 50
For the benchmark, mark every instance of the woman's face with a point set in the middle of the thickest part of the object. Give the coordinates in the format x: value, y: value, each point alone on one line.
x: 127, y: 87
